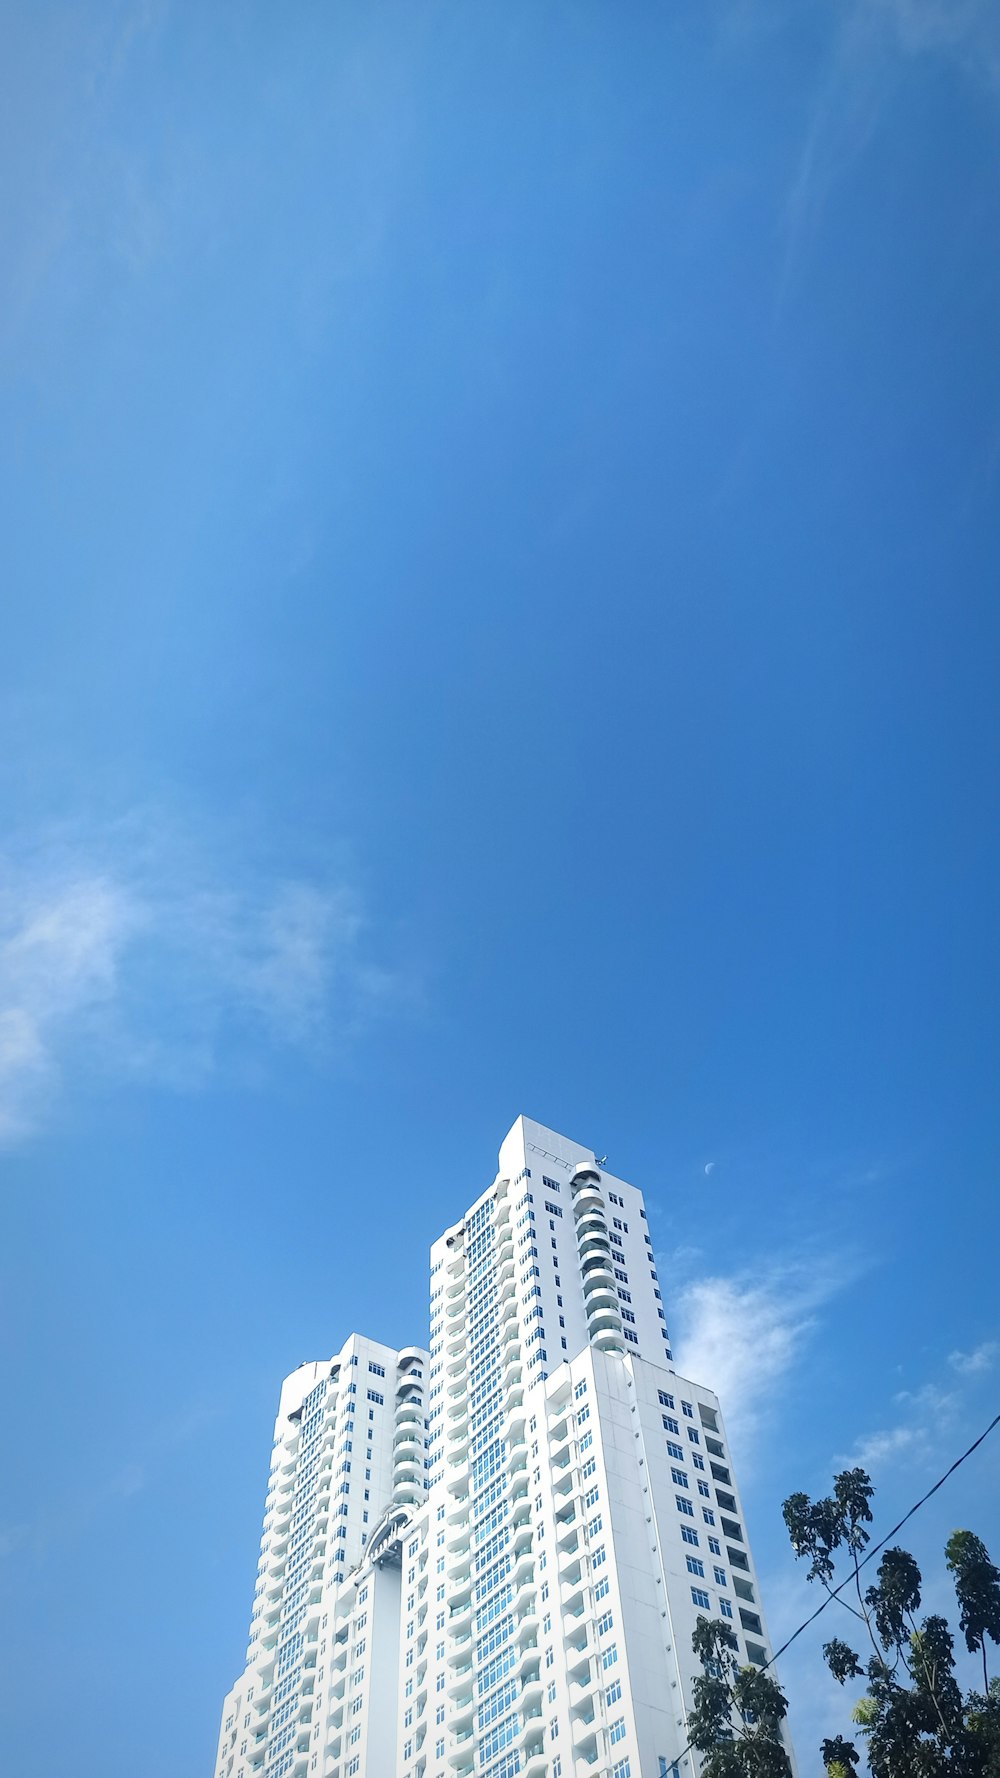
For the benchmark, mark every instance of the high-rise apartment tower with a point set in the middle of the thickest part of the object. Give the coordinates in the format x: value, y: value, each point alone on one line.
x: 486, y: 1560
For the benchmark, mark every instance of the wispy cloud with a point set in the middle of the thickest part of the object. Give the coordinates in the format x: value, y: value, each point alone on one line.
x: 743, y: 1335
x: 926, y: 1416
x: 137, y: 951
x: 966, y: 29
x: 55, y: 1526
x: 873, y: 43
x: 971, y: 1364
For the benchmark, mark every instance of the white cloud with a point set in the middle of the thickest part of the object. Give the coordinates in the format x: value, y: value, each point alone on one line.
x: 880, y: 1448
x: 971, y: 1364
x: 137, y: 951
x: 743, y: 1335
x: 873, y: 43
x: 928, y: 1415
x: 57, y: 1524
x: 968, y: 29
x: 60, y: 947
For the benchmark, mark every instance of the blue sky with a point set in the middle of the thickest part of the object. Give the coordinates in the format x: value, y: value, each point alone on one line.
x: 499, y: 547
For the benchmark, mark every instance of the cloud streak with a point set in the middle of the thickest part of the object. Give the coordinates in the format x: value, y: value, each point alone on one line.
x: 743, y: 1335
x: 55, y: 1527
x: 972, y: 1364
x: 925, y: 1416
x: 138, y: 953
x: 873, y: 44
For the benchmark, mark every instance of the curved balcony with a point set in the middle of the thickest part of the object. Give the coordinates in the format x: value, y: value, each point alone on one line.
x: 593, y: 1210
x: 587, y: 1170
x: 596, y: 1271
x: 604, y: 1318
x: 594, y: 1242
x: 408, y: 1491
x: 588, y: 1198
x: 603, y: 1296
x: 597, y: 1258
x: 593, y: 1231
x: 608, y: 1340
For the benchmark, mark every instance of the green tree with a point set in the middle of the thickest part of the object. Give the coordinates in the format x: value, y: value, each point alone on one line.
x: 738, y: 1711
x: 977, y: 1587
x: 915, y: 1718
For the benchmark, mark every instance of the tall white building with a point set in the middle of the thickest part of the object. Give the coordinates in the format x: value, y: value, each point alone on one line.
x: 489, y: 1559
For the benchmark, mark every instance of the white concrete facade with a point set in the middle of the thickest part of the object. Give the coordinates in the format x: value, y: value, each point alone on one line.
x: 544, y: 1510
x: 348, y: 1441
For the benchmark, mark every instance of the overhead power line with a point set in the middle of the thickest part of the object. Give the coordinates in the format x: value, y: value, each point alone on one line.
x: 831, y: 1596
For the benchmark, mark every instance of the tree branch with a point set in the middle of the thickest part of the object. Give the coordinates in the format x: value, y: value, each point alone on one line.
x: 928, y: 1675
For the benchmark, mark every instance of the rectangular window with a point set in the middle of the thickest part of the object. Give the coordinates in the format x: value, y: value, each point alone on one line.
x: 695, y: 1566
x: 701, y: 1598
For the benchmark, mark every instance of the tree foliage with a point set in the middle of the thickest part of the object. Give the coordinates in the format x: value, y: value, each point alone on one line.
x: 915, y: 1718
x: 738, y: 1710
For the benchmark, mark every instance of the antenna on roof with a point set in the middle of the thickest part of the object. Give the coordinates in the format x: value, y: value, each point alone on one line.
x: 600, y: 1159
